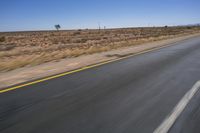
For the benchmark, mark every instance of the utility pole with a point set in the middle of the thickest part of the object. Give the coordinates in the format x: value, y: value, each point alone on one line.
x: 99, y: 24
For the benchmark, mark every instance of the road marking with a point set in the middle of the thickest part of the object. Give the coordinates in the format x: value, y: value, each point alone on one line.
x: 170, y: 120
x: 82, y: 69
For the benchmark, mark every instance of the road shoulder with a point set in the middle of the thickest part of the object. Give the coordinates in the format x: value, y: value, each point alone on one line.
x: 51, y: 68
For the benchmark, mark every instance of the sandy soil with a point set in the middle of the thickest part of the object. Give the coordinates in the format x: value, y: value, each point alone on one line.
x: 51, y: 68
x: 20, y: 49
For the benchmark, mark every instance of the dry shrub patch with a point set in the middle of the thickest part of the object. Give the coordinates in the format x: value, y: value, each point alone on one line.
x: 19, y: 49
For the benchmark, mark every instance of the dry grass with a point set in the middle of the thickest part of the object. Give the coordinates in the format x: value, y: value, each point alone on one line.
x: 19, y: 49
x: 2, y: 39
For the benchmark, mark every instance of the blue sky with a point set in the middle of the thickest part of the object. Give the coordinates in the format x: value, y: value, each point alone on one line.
x: 16, y: 15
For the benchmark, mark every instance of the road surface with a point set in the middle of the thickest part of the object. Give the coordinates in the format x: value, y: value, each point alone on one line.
x: 133, y: 95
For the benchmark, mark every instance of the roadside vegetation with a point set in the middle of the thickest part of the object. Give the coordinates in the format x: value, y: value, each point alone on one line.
x: 19, y: 49
x: 2, y: 39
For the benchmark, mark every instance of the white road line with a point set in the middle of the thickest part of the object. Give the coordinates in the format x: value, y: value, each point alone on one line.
x: 170, y: 120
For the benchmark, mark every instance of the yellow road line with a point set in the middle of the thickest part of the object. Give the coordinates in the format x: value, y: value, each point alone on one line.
x: 78, y: 70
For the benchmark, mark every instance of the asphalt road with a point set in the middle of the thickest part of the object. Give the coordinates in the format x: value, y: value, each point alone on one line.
x: 132, y: 95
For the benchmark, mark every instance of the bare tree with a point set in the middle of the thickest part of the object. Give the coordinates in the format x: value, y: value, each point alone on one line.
x: 57, y: 27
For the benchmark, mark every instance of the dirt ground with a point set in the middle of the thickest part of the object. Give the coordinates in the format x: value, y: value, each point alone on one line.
x: 22, y: 49
x: 28, y: 73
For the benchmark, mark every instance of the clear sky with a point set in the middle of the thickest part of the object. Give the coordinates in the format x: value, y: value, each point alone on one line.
x: 16, y: 15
